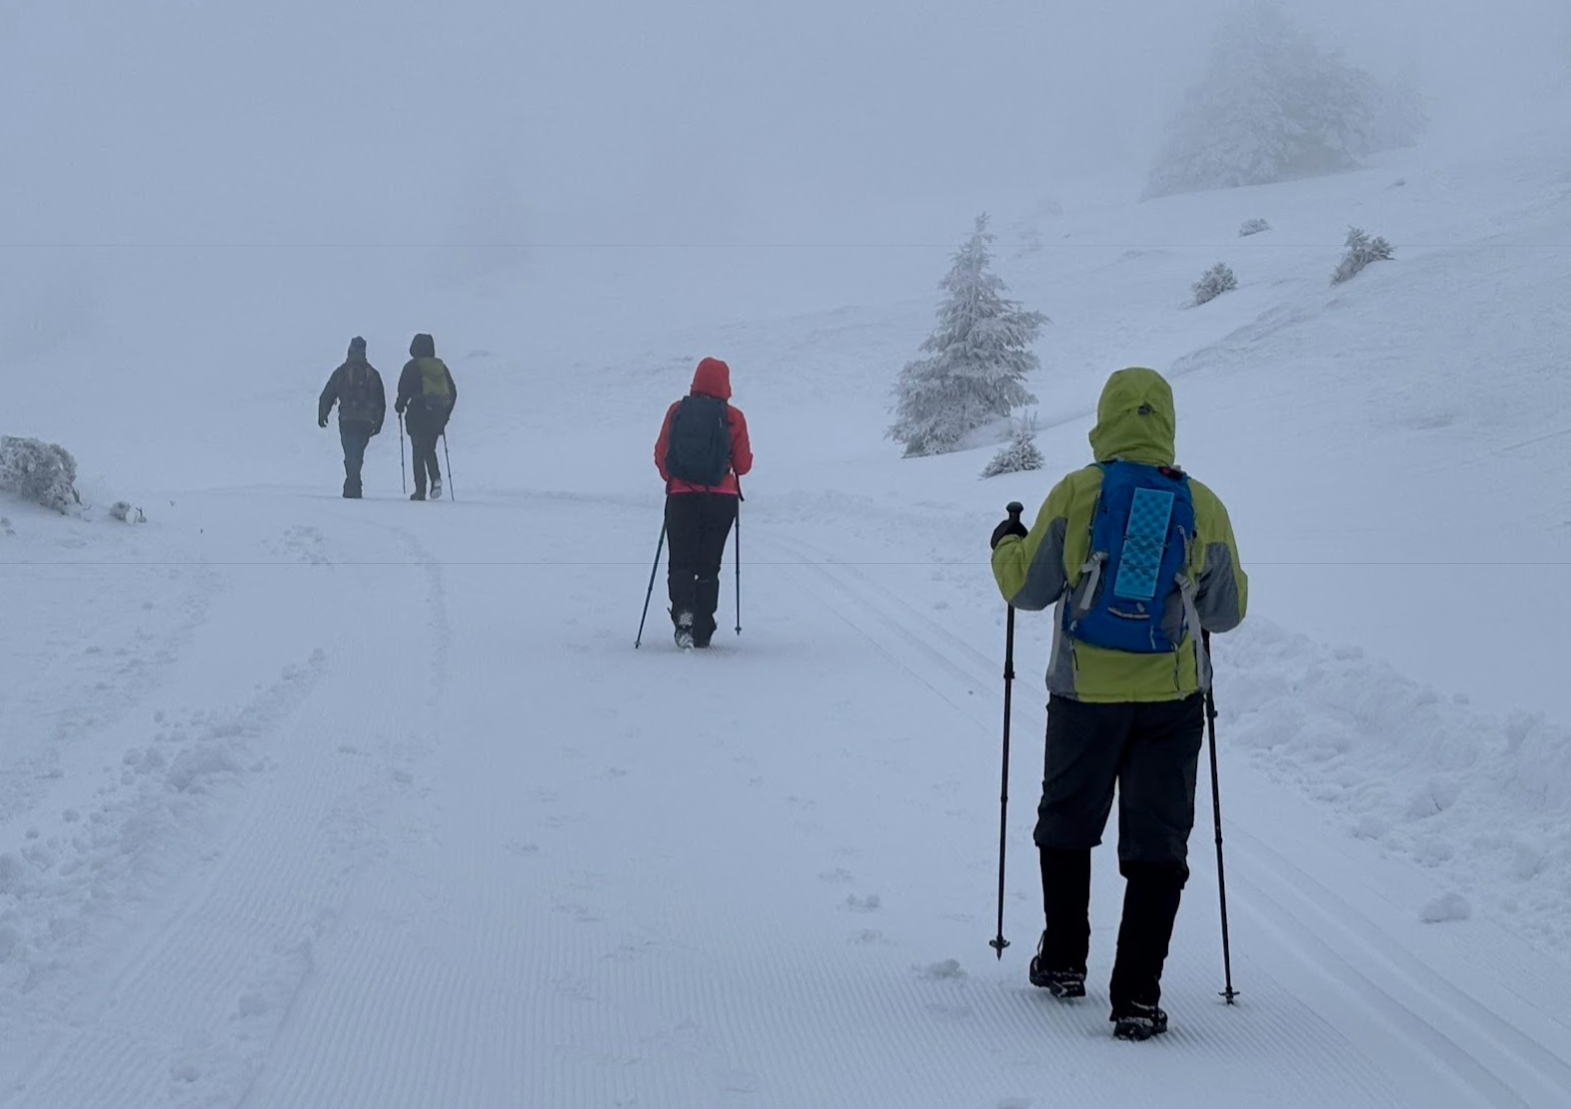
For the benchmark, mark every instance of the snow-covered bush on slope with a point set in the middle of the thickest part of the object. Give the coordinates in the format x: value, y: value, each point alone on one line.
x: 1361, y: 250
x: 43, y: 473
x: 1213, y: 283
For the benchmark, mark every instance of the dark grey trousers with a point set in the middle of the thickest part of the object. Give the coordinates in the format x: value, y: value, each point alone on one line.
x: 355, y: 436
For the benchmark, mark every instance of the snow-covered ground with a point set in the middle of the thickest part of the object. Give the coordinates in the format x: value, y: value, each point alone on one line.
x: 310, y: 803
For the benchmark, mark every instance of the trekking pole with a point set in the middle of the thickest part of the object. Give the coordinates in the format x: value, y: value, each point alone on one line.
x: 1216, y: 810
x: 652, y: 571
x: 403, y: 476
x: 738, y: 554
x: 998, y: 943
x: 449, y: 460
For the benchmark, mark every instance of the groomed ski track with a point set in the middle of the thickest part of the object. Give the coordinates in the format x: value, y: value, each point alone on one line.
x: 445, y: 839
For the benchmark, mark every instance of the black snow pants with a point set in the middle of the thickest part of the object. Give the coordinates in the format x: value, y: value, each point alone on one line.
x: 425, y: 428
x: 1151, y: 752
x: 697, y: 525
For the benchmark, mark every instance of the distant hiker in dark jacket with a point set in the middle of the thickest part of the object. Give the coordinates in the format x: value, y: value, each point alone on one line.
x: 357, y: 389
x: 1140, y: 561
x: 427, y: 392
x: 703, y: 448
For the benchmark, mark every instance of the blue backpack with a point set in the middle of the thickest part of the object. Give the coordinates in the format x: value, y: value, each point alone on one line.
x: 1140, y: 535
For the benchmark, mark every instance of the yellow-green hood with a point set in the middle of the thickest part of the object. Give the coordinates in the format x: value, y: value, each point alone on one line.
x: 1135, y: 419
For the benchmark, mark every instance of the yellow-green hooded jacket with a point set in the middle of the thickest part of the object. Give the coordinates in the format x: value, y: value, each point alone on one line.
x: 1135, y: 421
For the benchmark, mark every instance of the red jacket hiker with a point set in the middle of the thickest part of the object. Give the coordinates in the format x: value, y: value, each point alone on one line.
x: 711, y: 379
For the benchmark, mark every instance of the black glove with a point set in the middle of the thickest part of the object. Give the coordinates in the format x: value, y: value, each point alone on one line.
x: 399, y: 408
x: 1011, y: 526
x: 377, y: 430
x: 321, y: 421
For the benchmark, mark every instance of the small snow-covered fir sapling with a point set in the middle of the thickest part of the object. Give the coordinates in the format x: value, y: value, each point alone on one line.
x: 1361, y: 250
x: 1213, y: 283
x: 977, y: 357
x: 1252, y: 227
x: 1019, y: 454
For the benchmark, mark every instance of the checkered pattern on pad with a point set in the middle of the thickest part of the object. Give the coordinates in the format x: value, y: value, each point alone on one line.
x: 1145, y: 538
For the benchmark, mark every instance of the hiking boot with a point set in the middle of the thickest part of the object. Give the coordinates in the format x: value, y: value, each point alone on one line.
x: 1064, y: 983
x: 684, y: 631
x: 417, y: 495
x: 436, y: 489
x: 1137, y: 1020
x: 351, y: 494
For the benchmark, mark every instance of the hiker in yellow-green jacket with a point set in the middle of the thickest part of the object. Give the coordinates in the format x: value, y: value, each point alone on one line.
x: 1140, y: 560
x: 427, y: 392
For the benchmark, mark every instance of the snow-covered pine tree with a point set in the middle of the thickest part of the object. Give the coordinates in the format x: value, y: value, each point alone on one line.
x: 1274, y: 106
x: 978, y: 356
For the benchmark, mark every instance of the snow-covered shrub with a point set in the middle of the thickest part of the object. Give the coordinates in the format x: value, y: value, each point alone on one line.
x: 43, y: 473
x: 1361, y: 250
x: 1273, y: 106
x: 122, y: 511
x: 1252, y: 227
x: 1213, y: 283
x: 978, y: 356
x: 1019, y: 454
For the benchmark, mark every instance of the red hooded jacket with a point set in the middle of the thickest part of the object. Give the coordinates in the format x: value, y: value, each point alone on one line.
x: 711, y: 379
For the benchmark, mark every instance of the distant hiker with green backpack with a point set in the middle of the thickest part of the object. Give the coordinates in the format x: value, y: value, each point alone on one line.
x: 357, y: 389
x: 1141, y: 561
x: 701, y: 452
x: 426, y: 391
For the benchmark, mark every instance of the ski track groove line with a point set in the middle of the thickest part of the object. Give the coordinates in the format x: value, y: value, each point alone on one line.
x: 1409, y: 1024
x: 1355, y: 926
x: 878, y: 645
x: 905, y: 610
x: 1487, y: 1026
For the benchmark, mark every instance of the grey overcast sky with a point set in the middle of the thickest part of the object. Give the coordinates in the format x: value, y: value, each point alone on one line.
x: 394, y: 121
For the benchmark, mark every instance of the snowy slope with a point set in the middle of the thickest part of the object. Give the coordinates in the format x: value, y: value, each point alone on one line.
x: 305, y: 803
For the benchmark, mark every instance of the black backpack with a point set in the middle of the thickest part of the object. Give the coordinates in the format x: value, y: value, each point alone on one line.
x: 698, y: 450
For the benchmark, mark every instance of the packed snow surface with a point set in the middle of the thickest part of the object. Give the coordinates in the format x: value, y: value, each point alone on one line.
x: 311, y: 803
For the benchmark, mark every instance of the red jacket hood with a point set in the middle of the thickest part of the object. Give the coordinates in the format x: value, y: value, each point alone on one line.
x: 713, y: 379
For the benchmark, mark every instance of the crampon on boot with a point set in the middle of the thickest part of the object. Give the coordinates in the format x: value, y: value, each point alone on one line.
x: 1137, y: 1020
x: 1063, y: 983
